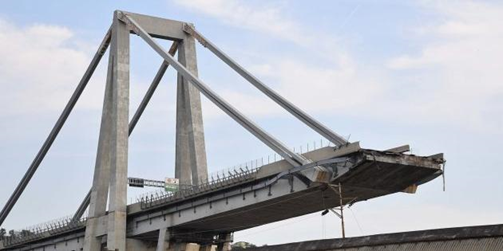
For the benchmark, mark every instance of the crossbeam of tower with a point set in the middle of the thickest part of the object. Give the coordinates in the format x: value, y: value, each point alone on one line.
x: 190, y: 160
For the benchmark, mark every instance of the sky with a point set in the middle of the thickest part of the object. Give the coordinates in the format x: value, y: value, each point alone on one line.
x: 385, y: 73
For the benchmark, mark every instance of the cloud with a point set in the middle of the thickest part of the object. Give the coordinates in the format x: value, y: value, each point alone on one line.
x: 454, y: 78
x: 40, y: 67
x: 320, y: 88
x: 266, y: 18
x: 332, y: 88
x: 461, y: 65
x: 308, y: 84
x: 271, y: 19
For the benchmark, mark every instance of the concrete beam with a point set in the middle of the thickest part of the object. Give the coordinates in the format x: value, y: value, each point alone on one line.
x: 399, y: 149
x: 219, y: 204
x: 159, y: 27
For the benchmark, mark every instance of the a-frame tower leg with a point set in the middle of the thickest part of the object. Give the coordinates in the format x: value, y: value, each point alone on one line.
x: 112, y: 158
x: 101, y: 179
x: 190, y: 160
x: 117, y: 212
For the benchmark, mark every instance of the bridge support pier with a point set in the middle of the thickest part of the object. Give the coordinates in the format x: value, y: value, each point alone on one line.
x: 163, y: 242
x: 226, y: 239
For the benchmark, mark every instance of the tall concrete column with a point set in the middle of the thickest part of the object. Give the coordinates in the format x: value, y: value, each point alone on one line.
x: 162, y: 241
x: 116, y: 229
x: 190, y: 160
x: 101, y: 179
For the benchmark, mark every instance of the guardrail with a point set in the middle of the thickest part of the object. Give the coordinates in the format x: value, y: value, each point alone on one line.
x: 221, y: 179
x: 43, y: 230
x: 233, y: 177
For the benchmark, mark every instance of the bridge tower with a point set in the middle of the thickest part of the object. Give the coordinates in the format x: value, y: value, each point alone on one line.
x: 108, y: 228
x: 110, y: 174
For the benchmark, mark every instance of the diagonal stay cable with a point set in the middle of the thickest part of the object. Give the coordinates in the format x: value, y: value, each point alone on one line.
x: 287, y: 105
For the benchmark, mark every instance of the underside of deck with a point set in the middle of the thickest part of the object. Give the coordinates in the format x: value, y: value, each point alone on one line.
x: 374, y: 174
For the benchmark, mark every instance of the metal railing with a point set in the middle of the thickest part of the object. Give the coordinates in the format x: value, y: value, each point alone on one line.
x: 43, y: 230
x: 223, y: 179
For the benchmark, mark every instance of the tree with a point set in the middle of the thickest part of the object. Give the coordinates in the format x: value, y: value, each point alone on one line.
x: 242, y: 245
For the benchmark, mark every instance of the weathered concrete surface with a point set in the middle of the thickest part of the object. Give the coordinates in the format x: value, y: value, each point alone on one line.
x: 160, y: 27
x: 116, y: 234
x: 190, y: 159
x: 163, y: 240
x: 101, y: 179
x: 476, y: 238
x: 376, y: 174
x: 111, y: 164
x: 321, y: 153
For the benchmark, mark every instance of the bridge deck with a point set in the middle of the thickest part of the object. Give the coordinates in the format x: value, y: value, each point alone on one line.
x: 250, y: 199
x: 376, y: 174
